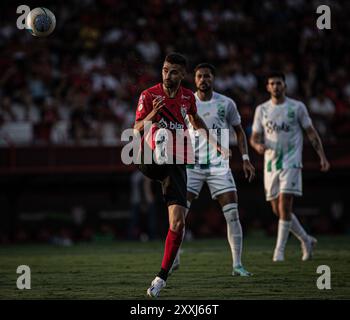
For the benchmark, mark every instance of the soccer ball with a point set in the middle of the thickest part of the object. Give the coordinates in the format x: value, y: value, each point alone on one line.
x: 40, y: 22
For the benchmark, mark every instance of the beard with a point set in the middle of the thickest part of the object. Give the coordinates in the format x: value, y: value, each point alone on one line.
x: 278, y: 94
x: 169, y: 84
x: 204, y: 88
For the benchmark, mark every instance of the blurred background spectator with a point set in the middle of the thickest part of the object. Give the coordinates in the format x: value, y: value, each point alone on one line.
x: 143, y: 220
x: 81, y: 84
x: 322, y: 111
x: 65, y: 100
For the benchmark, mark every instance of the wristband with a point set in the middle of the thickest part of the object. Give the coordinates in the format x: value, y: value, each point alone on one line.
x: 245, y: 157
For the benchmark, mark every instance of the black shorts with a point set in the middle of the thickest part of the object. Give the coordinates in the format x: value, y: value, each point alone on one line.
x: 173, y: 179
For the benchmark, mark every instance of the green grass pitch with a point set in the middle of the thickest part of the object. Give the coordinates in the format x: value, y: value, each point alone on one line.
x: 124, y: 270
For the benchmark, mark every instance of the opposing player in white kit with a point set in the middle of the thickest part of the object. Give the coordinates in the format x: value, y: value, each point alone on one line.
x: 277, y: 133
x: 219, y: 113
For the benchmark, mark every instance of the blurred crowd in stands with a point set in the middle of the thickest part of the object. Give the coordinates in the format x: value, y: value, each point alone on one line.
x: 81, y: 84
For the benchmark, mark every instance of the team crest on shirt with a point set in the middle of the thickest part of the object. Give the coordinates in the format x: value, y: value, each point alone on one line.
x: 140, y: 106
x: 291, y: 113
x: 221, y: 112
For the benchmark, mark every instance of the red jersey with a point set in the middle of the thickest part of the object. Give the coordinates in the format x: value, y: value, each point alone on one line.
x: 172, y: 116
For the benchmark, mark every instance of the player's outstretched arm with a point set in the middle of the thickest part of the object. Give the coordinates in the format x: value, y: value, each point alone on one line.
x: 256, y: 142
x: 317, y: 145
x: 248, y: 168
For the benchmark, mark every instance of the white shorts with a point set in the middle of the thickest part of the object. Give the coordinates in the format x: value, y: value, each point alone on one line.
x: 217, y: 183
x: 282, y: 181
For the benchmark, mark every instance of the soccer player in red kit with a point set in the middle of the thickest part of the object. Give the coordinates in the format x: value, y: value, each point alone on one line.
x: 169, y: 105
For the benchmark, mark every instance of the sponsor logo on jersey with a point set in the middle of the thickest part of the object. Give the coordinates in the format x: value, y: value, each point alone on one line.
x: 175, y: 125
x: 170, y: 125
x: 274, y: 127
x: 162, y: 123
x: 185, y: 97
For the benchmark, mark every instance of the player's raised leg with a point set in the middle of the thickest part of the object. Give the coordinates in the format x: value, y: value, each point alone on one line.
x: 172, y: 245
x: 229, y: 205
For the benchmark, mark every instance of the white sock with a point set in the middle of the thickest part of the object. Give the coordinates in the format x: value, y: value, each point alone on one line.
x: 282, y: 234
x: 177, y: 258
x: 234, y: 232
x: 297, y: 229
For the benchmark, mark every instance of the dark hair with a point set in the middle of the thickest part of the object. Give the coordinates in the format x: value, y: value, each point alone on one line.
x: 275, y: 74
x: 176, y: 58
x: 205, y: 65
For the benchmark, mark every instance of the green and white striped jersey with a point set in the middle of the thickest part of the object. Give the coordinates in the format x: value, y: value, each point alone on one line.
x: 281, y: 126
x: 219, y: 114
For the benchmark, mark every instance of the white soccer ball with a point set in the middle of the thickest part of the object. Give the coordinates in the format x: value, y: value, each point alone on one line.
x: 40, y: 22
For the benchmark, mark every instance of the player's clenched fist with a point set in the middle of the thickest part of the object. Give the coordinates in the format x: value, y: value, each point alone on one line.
x: 324, y: 164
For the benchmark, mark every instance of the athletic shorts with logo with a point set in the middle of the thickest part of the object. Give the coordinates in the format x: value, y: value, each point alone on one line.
x: 217, y: 183
x: 282, y: 181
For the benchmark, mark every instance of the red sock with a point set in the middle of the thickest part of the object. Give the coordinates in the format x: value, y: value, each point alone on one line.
x: 172, y: 244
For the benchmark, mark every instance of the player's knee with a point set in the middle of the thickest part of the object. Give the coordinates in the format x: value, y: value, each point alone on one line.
x: 177, y: 225
x: 284, y: 209
x: 231, y: 212
x: 177, y: 222
x: 274, y: 207
x: 285, y: 215
x: 227, y: 198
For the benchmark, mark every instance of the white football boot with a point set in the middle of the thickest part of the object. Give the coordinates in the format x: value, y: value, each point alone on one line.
x: 307, y: 248
x: 156, y: 285
x: 278, y: 256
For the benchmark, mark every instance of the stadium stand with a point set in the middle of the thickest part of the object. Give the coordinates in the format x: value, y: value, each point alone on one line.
x: 65, y: 99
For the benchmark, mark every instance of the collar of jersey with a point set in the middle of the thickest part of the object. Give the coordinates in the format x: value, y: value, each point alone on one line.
x: 178, y: 93
x: 206, y: 102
